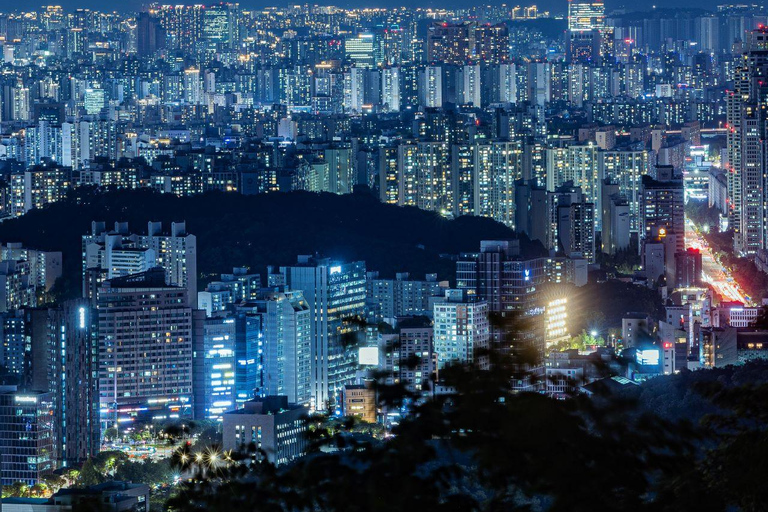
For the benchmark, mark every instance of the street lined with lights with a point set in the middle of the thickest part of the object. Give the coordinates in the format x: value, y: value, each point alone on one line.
x: 713, y: 272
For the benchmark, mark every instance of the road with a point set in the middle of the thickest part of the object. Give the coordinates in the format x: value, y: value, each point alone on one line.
x: 712, y: 271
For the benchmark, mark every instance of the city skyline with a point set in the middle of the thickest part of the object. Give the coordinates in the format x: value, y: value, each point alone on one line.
x: 373, y: 258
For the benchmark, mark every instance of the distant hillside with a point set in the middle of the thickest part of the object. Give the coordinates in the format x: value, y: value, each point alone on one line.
x: 270, y: 229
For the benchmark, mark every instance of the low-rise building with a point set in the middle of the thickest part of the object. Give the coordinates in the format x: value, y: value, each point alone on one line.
x: 114, y: 496
x: 360, y: 401
x: 271, y: 426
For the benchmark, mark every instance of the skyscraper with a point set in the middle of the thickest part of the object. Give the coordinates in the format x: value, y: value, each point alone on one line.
x: 746, y: 114
x: 662, y: 209
x: 586, y: 29
x: 584, y: 16
x: 335, y: 293
x: 150, y: 35
x: 286, y: 344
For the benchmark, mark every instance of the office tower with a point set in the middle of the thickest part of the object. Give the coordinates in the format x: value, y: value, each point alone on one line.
x: 556, y: 320
x: 573, y: 223
x: 531, y: 210
x: 616, y: 219
x: 431, y: 86
x: 492, y: 44
x: 451, y: 44
x: 511, y: 285
x: 752, y: 233
x: 661, y: 212
x: 94, y: 101
x: 461, y: 328
x: 27, y: 436
x: 150, y: 35
x: 360, y: 402
x: 231, y: 288
x: 77, y: 351
x: 335, y: 293
x: 182, y: 23
x: 270, y: 425
x: 145, y: 348
x: 688, y: 269
x: 76, y: 42
x: 122, y: 253
x: 227, y: 364
x: 285, y: 343
x: 746, y: 144
x: 363, y: 50
x: 399, y: 351
x: 219, y: 25
x: 214, y: 369
x: 62, y: 360
x: 586, y: 28
x: 583, y: 16
x: 389, y: 299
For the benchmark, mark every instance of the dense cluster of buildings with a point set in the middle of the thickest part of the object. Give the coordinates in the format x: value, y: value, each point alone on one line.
x: 589, y: 141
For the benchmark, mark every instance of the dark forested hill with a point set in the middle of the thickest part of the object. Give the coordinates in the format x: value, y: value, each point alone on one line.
x: 271, y: 229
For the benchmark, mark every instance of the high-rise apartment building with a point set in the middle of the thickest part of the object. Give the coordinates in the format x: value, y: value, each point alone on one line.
x: 461, y: 328
x: 451, y: 43
x: 145, y: 344
x: 746, y: 150
x: 121, y: 253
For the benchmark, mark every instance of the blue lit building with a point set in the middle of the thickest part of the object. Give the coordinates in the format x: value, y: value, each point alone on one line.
x: 248, y: 355
x: 27, y: 436
x: 227, y: 365
x: 285, y: 343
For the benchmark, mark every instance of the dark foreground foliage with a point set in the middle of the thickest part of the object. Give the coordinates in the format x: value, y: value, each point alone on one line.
x: 487, y: 448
